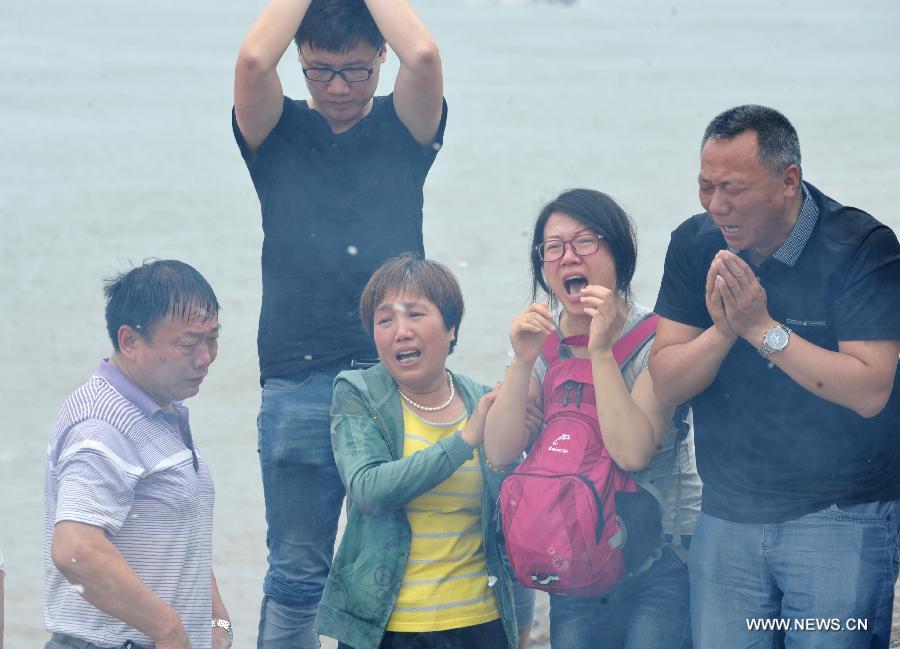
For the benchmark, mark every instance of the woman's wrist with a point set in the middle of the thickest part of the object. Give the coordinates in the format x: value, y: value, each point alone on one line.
x: 602, y: 354
x: 501, y: 468
x: 471, y: 439
x: 522, y: 361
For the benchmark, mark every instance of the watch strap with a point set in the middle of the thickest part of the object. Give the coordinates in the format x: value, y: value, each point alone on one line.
x: 765, y: 349
x: 224, y: 624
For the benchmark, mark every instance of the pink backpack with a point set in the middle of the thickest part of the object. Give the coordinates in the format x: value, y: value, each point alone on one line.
x: 573, y: 521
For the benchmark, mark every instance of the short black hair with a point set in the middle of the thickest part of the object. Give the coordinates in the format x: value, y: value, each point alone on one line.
x: 338, y: 26
x: 414, y: 274
x: 779, y: 146
x: 144, y: 295
x: 601, y: 213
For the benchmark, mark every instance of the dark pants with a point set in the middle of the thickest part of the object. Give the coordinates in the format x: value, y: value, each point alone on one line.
x: 646, y: 611
x: 481, y: 636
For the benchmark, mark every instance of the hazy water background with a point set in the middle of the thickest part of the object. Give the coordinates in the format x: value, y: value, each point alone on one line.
x: 117, y: 146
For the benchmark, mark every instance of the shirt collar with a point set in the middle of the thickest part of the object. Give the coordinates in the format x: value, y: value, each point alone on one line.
x: 789, y: 251
x: 127, y: 388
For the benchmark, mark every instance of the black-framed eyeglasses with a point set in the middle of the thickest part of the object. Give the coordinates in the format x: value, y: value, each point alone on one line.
x: 583, y: 245
x: 350, y: 75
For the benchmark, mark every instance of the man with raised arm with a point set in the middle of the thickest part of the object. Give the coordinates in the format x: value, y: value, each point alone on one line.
x: 339, y: 178
x: 781, y: 319
x: 128, y: 499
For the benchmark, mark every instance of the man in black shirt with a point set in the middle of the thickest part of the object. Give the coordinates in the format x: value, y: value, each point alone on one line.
x: 780, y: 320
x: 339, y: 178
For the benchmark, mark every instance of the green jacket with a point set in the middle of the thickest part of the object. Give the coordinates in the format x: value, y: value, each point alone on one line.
x: 367, y: 437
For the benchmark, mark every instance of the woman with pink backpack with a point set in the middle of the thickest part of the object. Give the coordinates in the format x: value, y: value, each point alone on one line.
x: 601, y: 511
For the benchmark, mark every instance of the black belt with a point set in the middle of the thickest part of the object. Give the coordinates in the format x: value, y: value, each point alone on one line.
x: 78, y: 643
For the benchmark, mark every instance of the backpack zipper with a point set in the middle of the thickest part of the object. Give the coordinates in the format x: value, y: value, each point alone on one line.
x: 578, y: 387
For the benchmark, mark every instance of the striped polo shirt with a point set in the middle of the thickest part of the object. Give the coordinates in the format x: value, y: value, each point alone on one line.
x: 118, y: 461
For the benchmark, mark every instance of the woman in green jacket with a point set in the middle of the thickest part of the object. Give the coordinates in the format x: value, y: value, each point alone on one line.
x: 419, y: 563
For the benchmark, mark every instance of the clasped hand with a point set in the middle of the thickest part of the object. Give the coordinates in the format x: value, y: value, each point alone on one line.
x: 734, y: 297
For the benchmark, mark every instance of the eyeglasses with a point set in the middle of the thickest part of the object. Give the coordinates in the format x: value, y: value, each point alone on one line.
x: 350, y: 75
x: 582, y: 245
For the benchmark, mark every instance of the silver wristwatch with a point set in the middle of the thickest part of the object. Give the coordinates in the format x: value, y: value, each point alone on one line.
x: 224, y: 624
x: 774, y: 340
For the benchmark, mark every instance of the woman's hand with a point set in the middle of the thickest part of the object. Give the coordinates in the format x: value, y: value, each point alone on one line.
x: 473, y: 433
x: 601, y: 304
x: 529, y: 330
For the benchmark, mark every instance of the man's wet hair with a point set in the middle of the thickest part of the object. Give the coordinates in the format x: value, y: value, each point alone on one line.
x: 415, y: 276
x: 338, y: 26
x: 601, y: 213
x: 164, y: 288
x: 779, y: 146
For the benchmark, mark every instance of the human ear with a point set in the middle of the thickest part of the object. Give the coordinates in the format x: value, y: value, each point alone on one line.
x: 129, y: 338
x: 451, y: 339
x: 791, y: 180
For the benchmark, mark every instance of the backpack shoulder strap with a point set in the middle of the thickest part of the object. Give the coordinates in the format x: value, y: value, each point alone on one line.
x: 550, y: 349
x: 630, y: 343
x: 626, y: 347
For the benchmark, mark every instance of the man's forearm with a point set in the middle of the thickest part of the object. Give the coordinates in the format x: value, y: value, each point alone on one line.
x: 404, y: 31
x: 2, y: 576
x: 859, y: 376
x: 419, y: 87
x: 218, y: 606
x: 681, y: 371
x: 103, y: 577
x: 272, y: 33
x: 220, y: 637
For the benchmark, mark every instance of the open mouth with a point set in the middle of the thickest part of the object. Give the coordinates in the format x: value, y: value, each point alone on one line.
x: 731, y: 229
x: 407, y: 357
x: 574, y: 284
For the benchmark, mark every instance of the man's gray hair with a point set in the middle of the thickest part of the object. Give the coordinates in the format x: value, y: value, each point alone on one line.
x: 779, y: 146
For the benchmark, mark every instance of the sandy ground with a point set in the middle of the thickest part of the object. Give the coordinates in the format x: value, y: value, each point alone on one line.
x: 117, y: 147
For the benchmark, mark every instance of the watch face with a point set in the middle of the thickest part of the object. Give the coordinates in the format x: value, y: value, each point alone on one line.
x: 777, y: 338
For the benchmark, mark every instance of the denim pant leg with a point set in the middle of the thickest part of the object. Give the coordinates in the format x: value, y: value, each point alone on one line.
x: 730, y: 583
x: 646, y: 611
x: 837, y: 569
x: 656, y: 606
x: 827, y: 568
x: 303, y: 495
x: 523, y: 599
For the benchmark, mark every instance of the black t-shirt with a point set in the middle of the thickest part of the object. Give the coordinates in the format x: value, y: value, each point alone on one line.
x: 334, y: 208
x: 767, y: 449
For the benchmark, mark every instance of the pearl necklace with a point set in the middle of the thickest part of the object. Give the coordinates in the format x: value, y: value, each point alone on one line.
x: 432, y: 408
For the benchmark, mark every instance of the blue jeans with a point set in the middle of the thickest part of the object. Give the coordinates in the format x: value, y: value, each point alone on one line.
x: 303, y: 494
x: 645, y: 611
x: 523, y: 600
x: 821, y: 577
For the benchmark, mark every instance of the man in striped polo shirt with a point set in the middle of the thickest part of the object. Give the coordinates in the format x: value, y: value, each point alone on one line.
x: 128, y: 502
